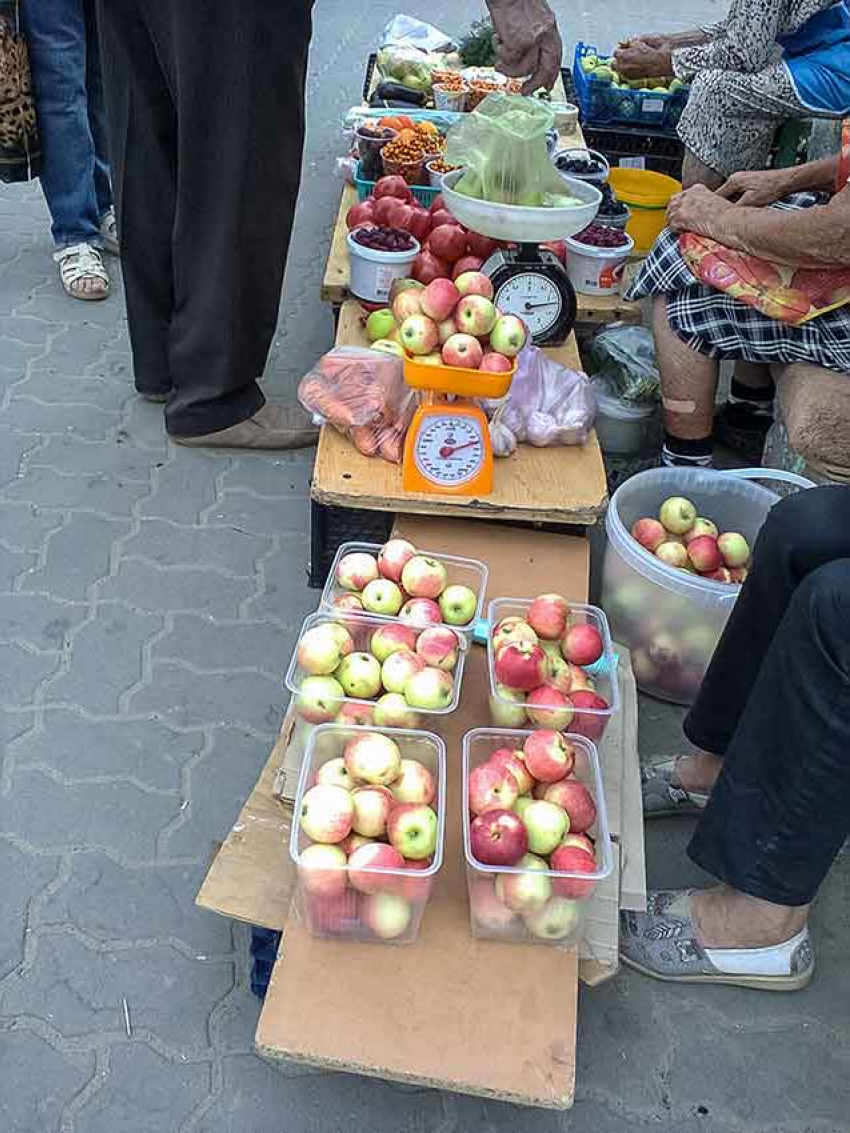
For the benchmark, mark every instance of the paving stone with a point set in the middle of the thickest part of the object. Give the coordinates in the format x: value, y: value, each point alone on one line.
x: 211, y: 645
x: 77, y: 555
x: 13, y: 564
x: 32, y: 416
x: 155, y: 588
x: 23, y: 875
x: 62, y: 390
x: 76, y: 456
x: 270, y: 476
x: 50, y: 489
x: 286, y: 587
x: 33, y: 332
x: 184, y: 486
x: 23, y: 527
x: 38, y: 1082
x: 13, y: 446
x: 42, y: 621
x: 261, y: 515
x: 242, y: 699
x: 23, y: 671
x: 223, y: 548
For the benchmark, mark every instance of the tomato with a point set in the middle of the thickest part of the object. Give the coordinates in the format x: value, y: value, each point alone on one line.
x: 467, y: 263
x: 427, y: 267
x: 362, y: 213
x: 392, y: 187
x: 448, y: 241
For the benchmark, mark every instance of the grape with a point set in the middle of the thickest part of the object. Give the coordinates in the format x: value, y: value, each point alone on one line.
x: 602, y: 236
x: 384, y: 239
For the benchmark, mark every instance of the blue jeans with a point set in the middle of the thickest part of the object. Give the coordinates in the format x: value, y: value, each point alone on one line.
x: 65, y: 63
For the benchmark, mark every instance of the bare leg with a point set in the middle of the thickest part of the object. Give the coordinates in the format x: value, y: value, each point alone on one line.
x: 727, y: 918
x: 696, y: 172
x: 699, y: 771
x: 688, y: 381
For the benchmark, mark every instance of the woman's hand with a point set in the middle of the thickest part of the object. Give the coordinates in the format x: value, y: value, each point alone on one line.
x: 659, y: 42
x: 527, y: 42
x: 698, y: 210
x: 758, y: 188
x: 639, y: 60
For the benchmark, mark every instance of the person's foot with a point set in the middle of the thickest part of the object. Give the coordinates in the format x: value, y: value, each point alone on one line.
x: 109, y: 231
x: 272, y: 427
x: 669, y: 942
x: 679, y: 786
x: 82, y: 272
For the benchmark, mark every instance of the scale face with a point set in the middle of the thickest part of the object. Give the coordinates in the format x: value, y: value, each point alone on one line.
x: 531, y: 283
x: 447, y: 451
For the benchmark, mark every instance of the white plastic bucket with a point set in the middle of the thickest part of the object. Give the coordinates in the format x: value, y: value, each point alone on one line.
x: 669, y: 619
x: 596, y: 271
x: 373, y: 272
x: 621, y: 428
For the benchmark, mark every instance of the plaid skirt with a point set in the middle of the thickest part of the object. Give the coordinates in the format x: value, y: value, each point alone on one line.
x: 715, y: 324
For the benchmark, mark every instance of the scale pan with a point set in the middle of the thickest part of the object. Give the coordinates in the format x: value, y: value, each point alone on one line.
x: 521, y: 223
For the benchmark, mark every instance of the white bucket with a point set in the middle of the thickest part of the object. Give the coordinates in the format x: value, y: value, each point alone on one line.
x: 373, y: 272
x: 621, y: 427
x: 596, y: 271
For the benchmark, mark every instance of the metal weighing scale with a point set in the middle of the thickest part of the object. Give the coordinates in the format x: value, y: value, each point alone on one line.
x: 532, y: 283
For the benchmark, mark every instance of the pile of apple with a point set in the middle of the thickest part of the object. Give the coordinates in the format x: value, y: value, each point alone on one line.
x: 682, y: 539
x: 539, y: 665
x: 529, y: 813
x: 369, y: 810
x: 449, y: 323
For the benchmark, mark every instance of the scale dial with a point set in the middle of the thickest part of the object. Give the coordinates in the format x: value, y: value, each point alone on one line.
x: 449, y: 450
x: 534, y: 298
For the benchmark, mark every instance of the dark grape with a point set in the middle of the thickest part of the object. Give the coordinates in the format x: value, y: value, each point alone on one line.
x: 602, y: 236
x: 384, y: 239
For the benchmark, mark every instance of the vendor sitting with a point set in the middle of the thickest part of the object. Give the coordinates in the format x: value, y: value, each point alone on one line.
x: 769, y: 61
x: 733, y: 279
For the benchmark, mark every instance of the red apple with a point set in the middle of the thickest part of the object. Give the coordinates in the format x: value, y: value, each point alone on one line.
x: 734, y: 549
x: 392, y: 186
x: 465, y: 265
x: 580, y: 840
x: 356, y: 715
x: 475, y: 315
x: 512, y: 629
x: 474, y: 283
x: 439, y: 647
x: 321, y: 869
x: 464, y: 351
x: 445, y: 330
x: 428, y: 267
x: 412, y: 888
x: 704, y: 554
x: 701, y: 527
x: 582, y: 644
x: 580, y: 679
x: 415, y: 783
x: 722, y: 574
x: 354, y: 842
x: 404, y: 305
x: 365, y: 861
x: 547, y: 707
x: 488, y: 912
x: 673, y: 554
x: 390, y: 638
x: 572, y: 859
x: 491, y: 787
x: 326, y: 813
x: 547, y: 616
x: 576, y: 800
x: 448, y: 241
x: 356, y: 569
x: 439, y: 299
x: 583, y: 724
x: 548, y: 756
x: 521, y: 665
x: 498, y: 837
x: 372, y: 805
x: 513, y: 761
x: 650, y: 533
x: 494, y: 363
x: 421, y: 612
x: 333, y: 915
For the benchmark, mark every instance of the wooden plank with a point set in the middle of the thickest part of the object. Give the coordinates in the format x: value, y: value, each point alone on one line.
x: 336, y: 283
x: 564, y: 485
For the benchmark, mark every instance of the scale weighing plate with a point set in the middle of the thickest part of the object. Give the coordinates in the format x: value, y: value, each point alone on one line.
x: 447, y: 451
x: 531, y: 283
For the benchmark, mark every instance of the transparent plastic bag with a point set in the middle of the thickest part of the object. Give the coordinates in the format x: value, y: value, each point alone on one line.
x: 624, y: 356
x: 406, y: 31
x: 502, y: 146
x: 412, y: 68
x: 362, y: 393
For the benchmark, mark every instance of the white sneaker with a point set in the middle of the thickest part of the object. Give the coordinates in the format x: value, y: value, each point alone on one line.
x: 82, y: 272
x: 109, y: 231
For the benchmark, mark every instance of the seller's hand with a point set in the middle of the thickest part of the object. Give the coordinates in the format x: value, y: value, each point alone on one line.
x: 659, y: 42
x: 639, y: 60
x: 527, y: 42
x: 698, y: 210
x: 757, y: 187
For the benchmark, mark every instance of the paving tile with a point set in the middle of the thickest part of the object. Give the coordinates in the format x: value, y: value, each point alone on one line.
x: 158, y: 589
x: 169, y: 545
x: 44, y: 1080
x: 24, y: 873
x: 77, y: 556
x: 177, y: 694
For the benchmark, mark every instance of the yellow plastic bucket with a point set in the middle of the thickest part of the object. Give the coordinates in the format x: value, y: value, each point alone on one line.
x: 647, y: 194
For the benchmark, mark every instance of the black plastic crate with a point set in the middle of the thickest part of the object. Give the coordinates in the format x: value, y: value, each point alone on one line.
x: 661, y: 150
x: 331, y: 526
x: 264, y: 946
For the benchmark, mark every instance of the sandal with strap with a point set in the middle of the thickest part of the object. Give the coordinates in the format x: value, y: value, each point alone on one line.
x: 109, y: 232
x: 82, y: 272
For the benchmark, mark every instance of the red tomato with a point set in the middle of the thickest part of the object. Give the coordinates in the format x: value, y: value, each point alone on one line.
x: 467, y: 263
x: 392, y: 187
x: 448, y: 241
x: 361, y: 213
x: 427, y: 267
x: 480, y: 245
x: 420, y: 224
x: 440, y: 217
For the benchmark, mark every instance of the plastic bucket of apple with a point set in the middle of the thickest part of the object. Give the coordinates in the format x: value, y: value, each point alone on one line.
x: 535, y: 834
x: 368, y: 840
x: 551, y: 666
x: 419, y: 588
x: 351, y: 668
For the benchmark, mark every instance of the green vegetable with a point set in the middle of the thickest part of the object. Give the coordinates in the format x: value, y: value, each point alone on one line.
x: 476, y: 48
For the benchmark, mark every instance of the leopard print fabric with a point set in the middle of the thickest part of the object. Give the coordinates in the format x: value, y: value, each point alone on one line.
x: 18, y: 130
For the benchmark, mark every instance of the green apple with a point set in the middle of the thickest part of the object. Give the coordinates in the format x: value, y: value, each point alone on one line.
x: 603, y: 74
x: 529, y: 888
x: 458, y: 605
x: 546, y: 824
x: 412, y: 830
x: 360, y: 675
x: 318, y: 699
x: 675, y: 84
x: 557, y: 919
x: 380, y: 324
x: 387, y: 347
x: 522, y: 804
x: 386, y: 915
x: 511, y: 715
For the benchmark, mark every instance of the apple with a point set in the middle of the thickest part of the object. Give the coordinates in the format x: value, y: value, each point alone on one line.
x: 491, y: 787
x: 355, y: 570
x: 547, y: 707
x: 547, y: 616
x: 429, y: 690
x: 445, y: 330
x: 513, y: 761
x: 380, y: 324
x: 334, y: 773
x: 413, y: 888
x: 734, y: 548
x: 580, y: 840
x: 326, y: 813
x: 354, y: 842
x: 391, y: 711
x: 677, y: 514
x: 488, y: 912
x: 406, y: 305
x: 573, y: 859
x: 332, y: 915
x: 546, y: 823
x: 360, y: 675
x: 722, y: 574
x: 424, y: 577
x: 366, y: 862
x: 439, y: 299
x: 438, y: 647
x: 318, y: 699
x: 580, y: 679
x: 498, y: 837
x: 481, y: 246
x: 664, y: 650
x: 650, y: 533
x: 548, y: 756
x: 458, y: 605
x: 739, y: 575
x: 399, y: 285
x: 393, y: 556
x: 701, y: 527
x: 321, y: 869
x: 389, y: 639
x: 382, y: 597
x: 463, y: 351
x: 528, y: 890
x: 582, y: 644
x: 521, y: 665
x: 415, y: 783
x: 475, y: 316
x: 495, y: 363
x: 372, y: 806
x: 584, y: 724
x: 704, y: 554
x: 386, y: 346
x: 511, y: 715
x: 421, y: 611
x: 561, y: 672
x: 556, y: 920
x: 673, y: 554
x: 513, y: 629
x: 373, y: 758
x: 356, y: 715
x: 508, y: 336
x: 418, y: 334
x: 398, y: 667
x: 576, y: 800
x: 347, y: 602
x: 522, y: 804
x: 412, y: 829
x: 474, y: 283
x: 386, y: 914
x: 466, y: 264
x: 321, y: 648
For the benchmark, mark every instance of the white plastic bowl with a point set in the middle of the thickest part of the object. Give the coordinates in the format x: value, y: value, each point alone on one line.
x: 596, y: 271
x: 373, y: 272
x: 620, y: 426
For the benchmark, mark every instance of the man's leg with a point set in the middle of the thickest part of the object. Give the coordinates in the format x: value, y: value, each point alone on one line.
x: 688, y: 389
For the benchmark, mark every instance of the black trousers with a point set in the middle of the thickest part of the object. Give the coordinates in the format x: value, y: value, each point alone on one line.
x: 205, y: 100
x: 775, y: 703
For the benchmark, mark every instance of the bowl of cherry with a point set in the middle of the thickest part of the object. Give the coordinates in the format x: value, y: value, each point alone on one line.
x: 583, y: 164
x: 596, y: 257
x: 379, y: 254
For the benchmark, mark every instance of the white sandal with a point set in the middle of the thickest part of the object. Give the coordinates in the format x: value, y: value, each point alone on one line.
x: 109, y: 232
x: 79, y: 263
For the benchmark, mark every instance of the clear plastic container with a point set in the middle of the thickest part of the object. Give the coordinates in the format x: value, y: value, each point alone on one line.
x: 392, y: 912
x: 590, y: 721
x: 669, y: 619
x: 501, y: 924
x: 460, y: 571
x: 621, y: 426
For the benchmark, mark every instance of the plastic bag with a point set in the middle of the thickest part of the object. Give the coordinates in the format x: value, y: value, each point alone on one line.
x: 413, y: 69
x: 502, y: 146
x: 624, y: 356
x: 548, y: 404
x: 405, y: 31
x: 362, y: 393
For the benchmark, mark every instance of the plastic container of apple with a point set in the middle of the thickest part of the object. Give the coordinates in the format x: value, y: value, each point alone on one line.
x: 535, y: 834
x: 552, y: 665
x: 368, y: 840
x: 397, y: 581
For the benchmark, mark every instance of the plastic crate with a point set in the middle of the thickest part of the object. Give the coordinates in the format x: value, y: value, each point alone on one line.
x: 330, y: 526
x: 639, y: 148
x: 425, y: 194
x: 601, y: 102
